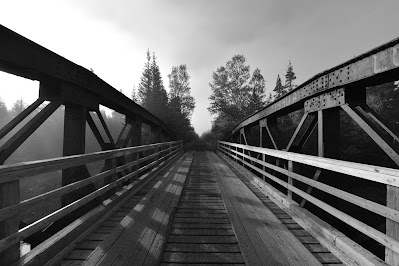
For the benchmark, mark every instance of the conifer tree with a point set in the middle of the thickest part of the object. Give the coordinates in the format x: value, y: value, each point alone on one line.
x: 159, y: 95
x: 279, y: 89
x: 18, y: 107
x: 145, y: 86
x: 134, y: 95
x: 289, y: 78
x: 257, y: 98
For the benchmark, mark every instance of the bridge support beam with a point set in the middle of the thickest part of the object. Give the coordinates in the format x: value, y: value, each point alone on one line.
x: 74, y: 143
x: 328, y: 130
x: 156, y: 137
x: 136, y: 124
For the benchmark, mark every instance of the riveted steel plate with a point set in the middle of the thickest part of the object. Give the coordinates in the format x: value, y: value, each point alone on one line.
x: 324, y: 101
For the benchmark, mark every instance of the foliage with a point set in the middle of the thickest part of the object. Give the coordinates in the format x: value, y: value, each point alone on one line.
x: 175, y: 108
x: 179, y: 85
x: 235, y: 94
x: 18, y: 107
x: 5, y: 116
x: 181, y: 104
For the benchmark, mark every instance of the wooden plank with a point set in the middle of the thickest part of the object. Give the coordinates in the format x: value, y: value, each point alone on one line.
x: 307, y: 240
x: 9, y: 195
x: 383, y: 239
x: 152, y: 255
x: 202, y: 211
x: 106, y: 245
x: 326, y: 258
x: 379, y: 174
x: 201, y: 225
x: 201, y: 215
x: 316, y: 248
x: 72, y: 263
x: 135, y: 188
x: 202, y: 239
x: 132, y: 224
x: 27, y: 169
x: 341, y: 246
x: 252, y: 253
x: 59, y: 241
x: 175, y: 257
x: 202, y: 248
x: 78, y: 254
x: 293, y: 252
x: 202, y: 220
x: 202, y: 232
x: 97, y: 236
x: 88, y: 244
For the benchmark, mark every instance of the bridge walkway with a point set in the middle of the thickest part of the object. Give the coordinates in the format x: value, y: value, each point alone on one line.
x: 199, y: 211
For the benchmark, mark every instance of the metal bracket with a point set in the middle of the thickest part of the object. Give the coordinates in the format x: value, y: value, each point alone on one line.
x: 324, y: 101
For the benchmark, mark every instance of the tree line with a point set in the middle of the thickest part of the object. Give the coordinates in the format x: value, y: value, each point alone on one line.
x: 237, y: 93
x: 175, y: 107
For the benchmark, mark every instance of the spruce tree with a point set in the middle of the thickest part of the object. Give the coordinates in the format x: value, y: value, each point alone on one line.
x: 257, y: 84
x: 279, y: 89
x: 159, y: 95
x: 289, y: 78
x: 144, y: 93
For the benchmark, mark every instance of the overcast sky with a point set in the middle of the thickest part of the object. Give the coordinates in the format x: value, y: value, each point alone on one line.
x: 112, y: 38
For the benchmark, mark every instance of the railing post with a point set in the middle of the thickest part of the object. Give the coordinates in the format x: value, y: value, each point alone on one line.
x: 74, y: 143
x: 9, y: 195
x: 136, y: 124
x: 392, y: 227
x: 289, y: 180
x: 156, y: 133
x: 261, y: 125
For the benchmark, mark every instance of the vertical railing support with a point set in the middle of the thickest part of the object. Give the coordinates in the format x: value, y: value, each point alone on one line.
x: 156, y: 133
x: 290, y: 170
x: 74, y: 143
x: 9, y: 195
x: 136, y: 140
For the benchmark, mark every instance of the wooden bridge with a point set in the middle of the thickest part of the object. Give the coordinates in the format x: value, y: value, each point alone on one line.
x: 252, y: 201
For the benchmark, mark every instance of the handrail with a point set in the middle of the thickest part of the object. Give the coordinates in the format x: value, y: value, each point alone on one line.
x: 161, y: 152
x: 374, y: 173
x: 13, y: 172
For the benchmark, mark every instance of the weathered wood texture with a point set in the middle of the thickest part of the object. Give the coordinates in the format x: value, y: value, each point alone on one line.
x: 137, y: 236
x: 270, y: 239
x: 201, y: 230
x: 12, y: 210
x: 342, y: 246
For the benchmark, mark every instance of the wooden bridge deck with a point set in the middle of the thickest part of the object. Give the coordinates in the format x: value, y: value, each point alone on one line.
x: 199, y: 211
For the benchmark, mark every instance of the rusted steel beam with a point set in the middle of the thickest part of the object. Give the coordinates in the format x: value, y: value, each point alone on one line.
x: 376, y: 66
x: 23, y: 57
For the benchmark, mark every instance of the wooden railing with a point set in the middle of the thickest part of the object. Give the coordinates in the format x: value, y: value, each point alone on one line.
x: 254, y: 159
x: 151, y: 156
